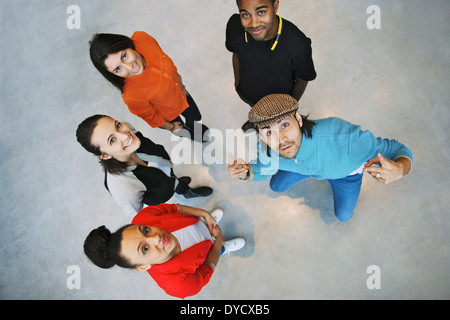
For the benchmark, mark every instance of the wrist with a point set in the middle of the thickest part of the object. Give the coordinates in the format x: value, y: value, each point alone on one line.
x: 218, y: 243
x: 405, y: 165
x: 210, y: 264
x: 204, y: 214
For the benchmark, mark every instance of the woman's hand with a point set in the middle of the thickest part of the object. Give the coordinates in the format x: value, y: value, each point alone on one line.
x: 388, y: 171
x: 217, y: 234
x: 210, y: 221
x: 177, y: 125
x: 172, y: 126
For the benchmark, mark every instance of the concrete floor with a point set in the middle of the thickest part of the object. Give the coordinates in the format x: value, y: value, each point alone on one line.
x: 393, y: 81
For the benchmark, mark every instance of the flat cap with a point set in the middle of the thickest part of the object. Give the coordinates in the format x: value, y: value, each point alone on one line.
x: 271, y: 109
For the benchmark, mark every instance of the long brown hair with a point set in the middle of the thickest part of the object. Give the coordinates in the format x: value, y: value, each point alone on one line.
x: 103, y: 44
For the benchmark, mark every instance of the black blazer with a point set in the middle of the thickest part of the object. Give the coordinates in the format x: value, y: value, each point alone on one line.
x: 160, y: 187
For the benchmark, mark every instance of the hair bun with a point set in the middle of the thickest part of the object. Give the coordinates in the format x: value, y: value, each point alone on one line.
x: 96, y: 247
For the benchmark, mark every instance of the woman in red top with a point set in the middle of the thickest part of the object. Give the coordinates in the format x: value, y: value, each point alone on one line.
x: 148, y: 80
x: 169, y: 242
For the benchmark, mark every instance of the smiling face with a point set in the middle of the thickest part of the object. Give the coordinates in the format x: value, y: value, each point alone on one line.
x: 258, y: 17
x: 144, y: 246
x: 125, y: 63
x: 115, y: 139
x: 284, y: 137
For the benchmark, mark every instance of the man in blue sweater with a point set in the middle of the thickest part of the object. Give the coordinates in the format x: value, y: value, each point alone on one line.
x: 332, y: 148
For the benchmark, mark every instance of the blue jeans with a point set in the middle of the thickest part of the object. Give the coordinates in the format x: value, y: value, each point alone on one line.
x: 345, y: 190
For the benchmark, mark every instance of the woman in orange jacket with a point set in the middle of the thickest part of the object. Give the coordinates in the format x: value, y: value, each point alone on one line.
x: 170, y: 242
x: 148, y: 80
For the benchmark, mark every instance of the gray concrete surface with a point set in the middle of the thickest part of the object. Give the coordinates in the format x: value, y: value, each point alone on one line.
x: 393, y: 81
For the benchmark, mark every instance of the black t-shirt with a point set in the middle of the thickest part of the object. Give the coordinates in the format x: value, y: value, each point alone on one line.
x: 263, y: 71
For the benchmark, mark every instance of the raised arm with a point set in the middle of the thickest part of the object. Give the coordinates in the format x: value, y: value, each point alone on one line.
x: 388, y: 171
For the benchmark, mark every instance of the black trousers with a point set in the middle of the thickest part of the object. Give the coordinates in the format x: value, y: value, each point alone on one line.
x: 191, y: 114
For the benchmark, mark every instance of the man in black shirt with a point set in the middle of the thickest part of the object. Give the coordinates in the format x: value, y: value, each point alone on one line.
x: 270, y: 54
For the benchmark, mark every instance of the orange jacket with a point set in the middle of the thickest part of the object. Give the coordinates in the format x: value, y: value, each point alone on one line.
x: 155, y: 95
x: 185, y: 274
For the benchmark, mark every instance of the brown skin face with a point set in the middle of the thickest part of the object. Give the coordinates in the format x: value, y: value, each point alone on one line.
x: 144, y: 246
x: 259, y: 18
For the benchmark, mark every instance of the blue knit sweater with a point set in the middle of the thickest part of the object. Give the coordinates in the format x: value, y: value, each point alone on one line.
x: 336, y: 149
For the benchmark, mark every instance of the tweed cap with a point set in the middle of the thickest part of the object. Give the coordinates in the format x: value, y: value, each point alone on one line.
x: 271, y: 109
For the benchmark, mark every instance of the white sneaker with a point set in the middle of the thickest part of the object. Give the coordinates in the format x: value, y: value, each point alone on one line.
x: 233, y: 245
x: 217, y: 214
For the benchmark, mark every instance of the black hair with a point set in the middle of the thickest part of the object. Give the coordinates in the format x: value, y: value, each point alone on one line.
x: 84, y: 135
x: 103, y: 248
x: 103, y: 44
x: 307, y: 126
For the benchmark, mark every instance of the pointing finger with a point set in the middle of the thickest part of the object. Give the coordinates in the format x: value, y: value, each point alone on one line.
x: 230, y: 158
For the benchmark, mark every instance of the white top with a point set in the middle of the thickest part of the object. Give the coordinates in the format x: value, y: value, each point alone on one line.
x: 193, y: 234
x: 358, y: 171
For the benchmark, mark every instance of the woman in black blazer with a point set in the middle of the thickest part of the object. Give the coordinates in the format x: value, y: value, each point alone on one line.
x: 137, y: 171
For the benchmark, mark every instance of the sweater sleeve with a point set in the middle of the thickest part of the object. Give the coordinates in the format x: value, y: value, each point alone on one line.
x: 364, y: 146
x: 127, y: 191
x: 146, y: 111
x: 266, y: 166
x: 165, y: 208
